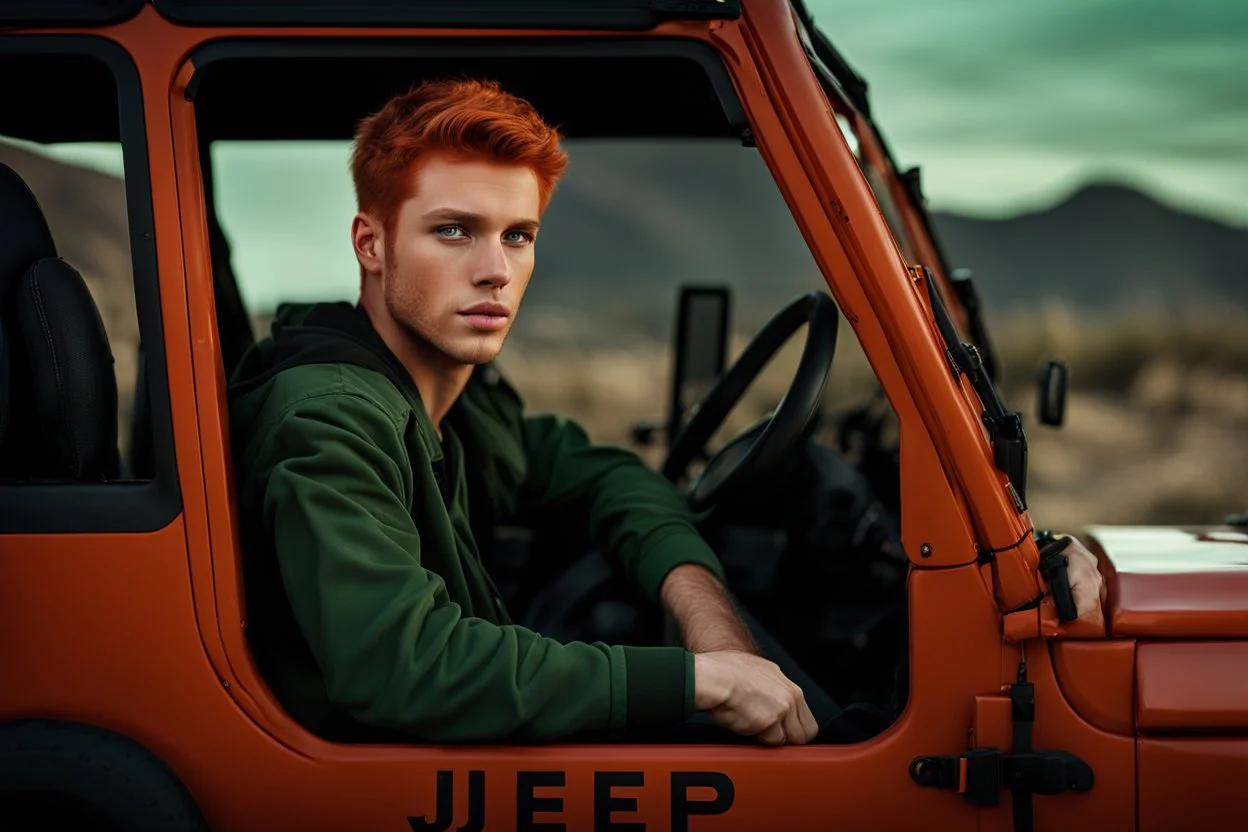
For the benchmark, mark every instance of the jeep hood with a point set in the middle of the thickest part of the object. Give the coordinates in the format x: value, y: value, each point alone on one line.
x: 1174, y: 582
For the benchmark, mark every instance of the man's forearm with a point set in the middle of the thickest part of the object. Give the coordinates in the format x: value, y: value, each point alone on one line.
x: 707, y: 619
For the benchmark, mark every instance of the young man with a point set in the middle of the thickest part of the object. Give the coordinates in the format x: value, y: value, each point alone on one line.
x: 370, y: 442
x: 367, y: 450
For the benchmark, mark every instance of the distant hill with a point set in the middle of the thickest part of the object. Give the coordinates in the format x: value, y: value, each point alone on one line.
x: 1105, y: 245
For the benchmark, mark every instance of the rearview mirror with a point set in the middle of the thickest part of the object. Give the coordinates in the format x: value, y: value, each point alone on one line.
x: 1051, y: 393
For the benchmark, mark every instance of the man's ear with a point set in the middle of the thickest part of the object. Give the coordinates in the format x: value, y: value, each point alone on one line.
x: 367, y: 238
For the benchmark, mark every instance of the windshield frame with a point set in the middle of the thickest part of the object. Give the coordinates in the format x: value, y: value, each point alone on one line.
x: 901, y: 198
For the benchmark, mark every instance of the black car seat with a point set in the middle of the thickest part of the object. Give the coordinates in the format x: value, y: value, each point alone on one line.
x: 61, y: 393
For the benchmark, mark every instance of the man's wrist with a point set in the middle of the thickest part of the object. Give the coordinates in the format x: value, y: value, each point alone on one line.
x: 704, y: 612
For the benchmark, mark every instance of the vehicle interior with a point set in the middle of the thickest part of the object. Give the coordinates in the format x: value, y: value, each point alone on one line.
x: 803, y: 507
x: 808, y: 530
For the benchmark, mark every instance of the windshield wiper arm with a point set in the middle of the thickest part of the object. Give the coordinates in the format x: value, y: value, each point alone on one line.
x: 968, y: 295
x: 1005, y: 427
x: 961, y: 280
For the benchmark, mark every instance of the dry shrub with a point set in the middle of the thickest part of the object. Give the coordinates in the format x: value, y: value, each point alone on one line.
x: 1109, y: 351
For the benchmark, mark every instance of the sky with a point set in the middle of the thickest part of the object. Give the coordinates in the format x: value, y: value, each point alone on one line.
x: 1011, y: 105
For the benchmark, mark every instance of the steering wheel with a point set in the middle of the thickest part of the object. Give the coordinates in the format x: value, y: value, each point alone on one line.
x: 763, y: 447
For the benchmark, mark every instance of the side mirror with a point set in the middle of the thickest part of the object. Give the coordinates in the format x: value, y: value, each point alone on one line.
x: 1051, y: 393
x: 702, y: 330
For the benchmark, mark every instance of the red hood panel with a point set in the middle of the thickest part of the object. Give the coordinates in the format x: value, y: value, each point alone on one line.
x: 1174, y: 582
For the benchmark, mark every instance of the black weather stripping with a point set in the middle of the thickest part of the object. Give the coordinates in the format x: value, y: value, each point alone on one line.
x: 510, y: 14
x: 66, y: 12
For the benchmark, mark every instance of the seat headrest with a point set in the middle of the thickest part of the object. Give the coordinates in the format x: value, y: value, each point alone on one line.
x: 26, y: 236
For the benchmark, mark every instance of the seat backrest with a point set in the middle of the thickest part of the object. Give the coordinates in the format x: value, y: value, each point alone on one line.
x: 62, y: 394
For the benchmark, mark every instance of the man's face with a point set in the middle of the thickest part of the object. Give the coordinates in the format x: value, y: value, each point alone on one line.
x: 455, y: 268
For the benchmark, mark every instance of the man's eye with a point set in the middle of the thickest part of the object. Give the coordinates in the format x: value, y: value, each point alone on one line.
x: 518, y: 237
x: 450, y: 231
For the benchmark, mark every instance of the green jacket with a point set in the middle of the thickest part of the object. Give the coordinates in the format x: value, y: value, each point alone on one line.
x: 369, y: 610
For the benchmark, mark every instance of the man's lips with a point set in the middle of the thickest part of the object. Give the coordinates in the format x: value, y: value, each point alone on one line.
x: 486, y: 317
x: 487, y: 308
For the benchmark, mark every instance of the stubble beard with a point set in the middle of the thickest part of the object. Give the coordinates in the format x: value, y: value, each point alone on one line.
x: 423, y: 335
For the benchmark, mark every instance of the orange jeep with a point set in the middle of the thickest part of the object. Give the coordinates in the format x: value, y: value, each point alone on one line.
x: 906, y: 574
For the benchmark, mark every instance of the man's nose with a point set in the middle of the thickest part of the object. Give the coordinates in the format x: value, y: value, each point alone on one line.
x: 495, y: 268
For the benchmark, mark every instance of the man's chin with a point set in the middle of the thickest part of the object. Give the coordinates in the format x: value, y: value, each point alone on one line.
x: 479, y: 351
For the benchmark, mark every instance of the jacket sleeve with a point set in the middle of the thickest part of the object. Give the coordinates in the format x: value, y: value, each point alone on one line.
x: 634, y: 514
x: 394, y: 650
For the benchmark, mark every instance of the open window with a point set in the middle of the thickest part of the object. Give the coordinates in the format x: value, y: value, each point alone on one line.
x: 85, y: 438
x: 664, y: 190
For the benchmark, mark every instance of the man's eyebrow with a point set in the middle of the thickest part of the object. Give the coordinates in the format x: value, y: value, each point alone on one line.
x: 456, y: 215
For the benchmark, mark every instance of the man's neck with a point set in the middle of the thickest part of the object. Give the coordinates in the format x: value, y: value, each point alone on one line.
x: 439, y: 380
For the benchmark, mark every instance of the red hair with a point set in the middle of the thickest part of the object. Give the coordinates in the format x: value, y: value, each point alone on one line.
x: 465, y: 119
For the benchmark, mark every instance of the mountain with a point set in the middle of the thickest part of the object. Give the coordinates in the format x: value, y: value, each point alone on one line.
x: 1105, y: 245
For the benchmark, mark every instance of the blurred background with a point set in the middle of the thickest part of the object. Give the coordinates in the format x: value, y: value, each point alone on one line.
x: 1084, y: 158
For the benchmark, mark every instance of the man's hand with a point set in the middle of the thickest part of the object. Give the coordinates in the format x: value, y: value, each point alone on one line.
x: 702, y: 609
x: 1087, y: 585
x: 751, y: 696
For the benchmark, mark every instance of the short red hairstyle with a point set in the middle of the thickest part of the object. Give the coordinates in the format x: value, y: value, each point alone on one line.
x: 465, y: 119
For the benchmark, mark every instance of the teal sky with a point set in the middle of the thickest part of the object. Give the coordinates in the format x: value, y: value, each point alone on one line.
x: 1011, y: 105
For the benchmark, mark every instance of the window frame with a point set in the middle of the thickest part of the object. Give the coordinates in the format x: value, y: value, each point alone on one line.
x: 122, y: 506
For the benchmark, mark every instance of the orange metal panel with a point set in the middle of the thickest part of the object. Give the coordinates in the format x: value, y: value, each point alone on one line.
x: 1174, y: 583
x: 101, y: 629
x: 127, y: 656
x: 1098, y: 679
x: 1192, y: 686
x: 1194, y: 784
x: 1110, y: 804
